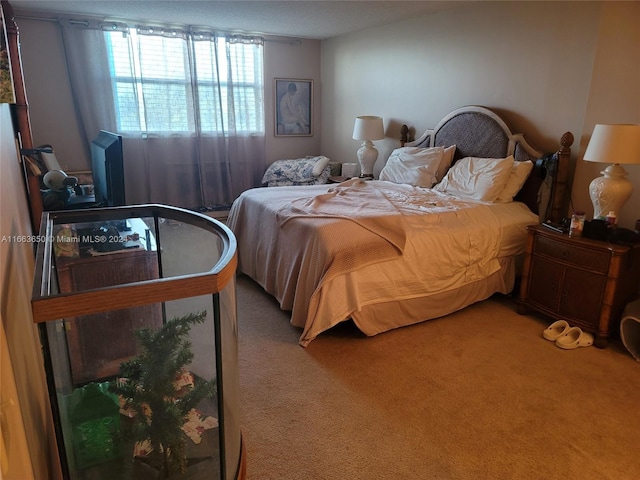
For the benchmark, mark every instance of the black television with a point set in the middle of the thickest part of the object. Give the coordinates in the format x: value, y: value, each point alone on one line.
x: 107, y: 168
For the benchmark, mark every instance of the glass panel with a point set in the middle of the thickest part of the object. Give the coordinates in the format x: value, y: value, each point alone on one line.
x: 164, y: 395
x: 230, y: 386
x: 99, y: 254
x: 92, y: 255
x: 187, y: 249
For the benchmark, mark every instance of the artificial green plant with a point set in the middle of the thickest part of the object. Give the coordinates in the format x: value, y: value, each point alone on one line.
x: 147, y: 384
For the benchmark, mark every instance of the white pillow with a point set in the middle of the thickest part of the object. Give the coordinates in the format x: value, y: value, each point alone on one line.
x: 519, y: 173
x: 413, y: 165
x: 384, y: 147
x: 447, y: 159
x: 477, y: 178
x: 318, y: 167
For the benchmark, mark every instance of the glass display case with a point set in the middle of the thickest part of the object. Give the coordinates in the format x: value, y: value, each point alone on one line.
x: 136, y: 308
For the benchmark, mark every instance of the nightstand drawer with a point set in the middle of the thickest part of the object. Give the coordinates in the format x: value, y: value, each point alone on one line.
x: 572, y: 254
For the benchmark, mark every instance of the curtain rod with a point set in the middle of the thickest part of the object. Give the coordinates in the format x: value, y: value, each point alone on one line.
x: 293, y: 41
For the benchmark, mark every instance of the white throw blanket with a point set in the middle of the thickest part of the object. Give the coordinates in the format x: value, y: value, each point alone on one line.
x: 355, y: 200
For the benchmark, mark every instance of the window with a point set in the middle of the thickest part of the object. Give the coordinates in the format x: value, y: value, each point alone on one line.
x: 177, y: 83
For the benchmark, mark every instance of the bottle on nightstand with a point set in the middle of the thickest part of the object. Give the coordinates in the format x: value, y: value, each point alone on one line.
x: 577, y: 224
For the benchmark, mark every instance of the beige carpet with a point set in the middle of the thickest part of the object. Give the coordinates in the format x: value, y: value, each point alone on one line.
x: 476, y: 395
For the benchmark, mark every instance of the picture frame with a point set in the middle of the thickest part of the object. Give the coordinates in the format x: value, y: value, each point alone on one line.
x: 7, y: 94
x: 293, y: 107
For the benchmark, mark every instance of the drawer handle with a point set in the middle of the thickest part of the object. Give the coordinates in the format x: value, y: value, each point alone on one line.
x: 565, y: 253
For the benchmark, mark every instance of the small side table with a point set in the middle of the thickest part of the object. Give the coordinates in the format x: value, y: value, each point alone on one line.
x: 585, y: 282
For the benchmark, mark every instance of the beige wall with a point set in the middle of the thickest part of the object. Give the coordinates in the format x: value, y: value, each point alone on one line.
x: 614, y: 97
x: 283, y: 60
x: 24, y: 401
x: 53, y: 116
x: 546, y: 67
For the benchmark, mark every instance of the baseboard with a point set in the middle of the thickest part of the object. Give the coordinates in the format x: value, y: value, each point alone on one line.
x: 220, y: 215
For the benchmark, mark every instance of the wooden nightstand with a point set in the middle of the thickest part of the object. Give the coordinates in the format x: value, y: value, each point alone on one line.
x: 585, y: 282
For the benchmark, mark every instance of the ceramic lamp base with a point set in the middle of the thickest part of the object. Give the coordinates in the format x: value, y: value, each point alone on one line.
x: 367, y: 156
x: 610, y: 192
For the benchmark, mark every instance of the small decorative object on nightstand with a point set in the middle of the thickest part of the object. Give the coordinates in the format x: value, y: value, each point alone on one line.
x: 577, y: 224
x: 583, y: 281
x: 350, y: 170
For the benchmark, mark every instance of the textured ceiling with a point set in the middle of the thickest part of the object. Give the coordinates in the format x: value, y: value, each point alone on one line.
x: 302, y: 18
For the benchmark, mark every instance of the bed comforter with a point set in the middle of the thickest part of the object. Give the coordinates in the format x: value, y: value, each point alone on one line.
x: 325, y: 252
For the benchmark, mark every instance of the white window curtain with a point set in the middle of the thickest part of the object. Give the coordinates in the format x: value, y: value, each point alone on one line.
x: 189, y: 106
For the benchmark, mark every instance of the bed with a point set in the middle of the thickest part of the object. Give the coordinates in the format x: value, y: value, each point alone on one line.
x: 425, y: 240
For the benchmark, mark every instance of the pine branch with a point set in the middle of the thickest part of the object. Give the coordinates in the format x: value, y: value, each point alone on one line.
x: 147, y: 385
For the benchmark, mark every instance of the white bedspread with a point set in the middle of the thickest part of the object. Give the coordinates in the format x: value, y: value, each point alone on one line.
x: 361, y: 243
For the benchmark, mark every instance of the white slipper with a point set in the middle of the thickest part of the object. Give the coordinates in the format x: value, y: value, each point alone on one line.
x: 574, y: 338
x: 555, y: 330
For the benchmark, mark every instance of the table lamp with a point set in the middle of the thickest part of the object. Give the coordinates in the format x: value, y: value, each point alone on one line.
x: 615, y: 144
x: 368, y: 128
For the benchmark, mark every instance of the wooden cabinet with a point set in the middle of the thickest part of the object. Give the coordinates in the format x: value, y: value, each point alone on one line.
x: 585, y: 282
x: 97, y: 344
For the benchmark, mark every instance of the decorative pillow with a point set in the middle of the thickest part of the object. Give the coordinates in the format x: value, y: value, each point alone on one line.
x: 299, y: 171
x: 477, y: 178
x: 321, y: 162
x: 447, y: 159
x: 413, y: 165
x: 519, y: 173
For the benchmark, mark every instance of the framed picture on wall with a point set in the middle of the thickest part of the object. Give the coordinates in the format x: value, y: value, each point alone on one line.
x: 293, y: 107
x: 6, y: 78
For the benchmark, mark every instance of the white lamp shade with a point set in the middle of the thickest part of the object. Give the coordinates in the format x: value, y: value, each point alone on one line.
x: 368, y: 127
x: 613, y: 144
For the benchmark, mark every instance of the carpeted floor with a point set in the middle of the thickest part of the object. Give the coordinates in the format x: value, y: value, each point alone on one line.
x: 475, y: 395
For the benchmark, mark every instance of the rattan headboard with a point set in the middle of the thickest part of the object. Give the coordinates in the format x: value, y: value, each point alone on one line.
x: 479, y: 132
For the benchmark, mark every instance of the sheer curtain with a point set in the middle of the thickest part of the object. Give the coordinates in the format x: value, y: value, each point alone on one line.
x: 188, y: 104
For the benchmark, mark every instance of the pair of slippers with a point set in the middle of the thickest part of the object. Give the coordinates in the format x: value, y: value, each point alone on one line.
x: 566, y: 336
